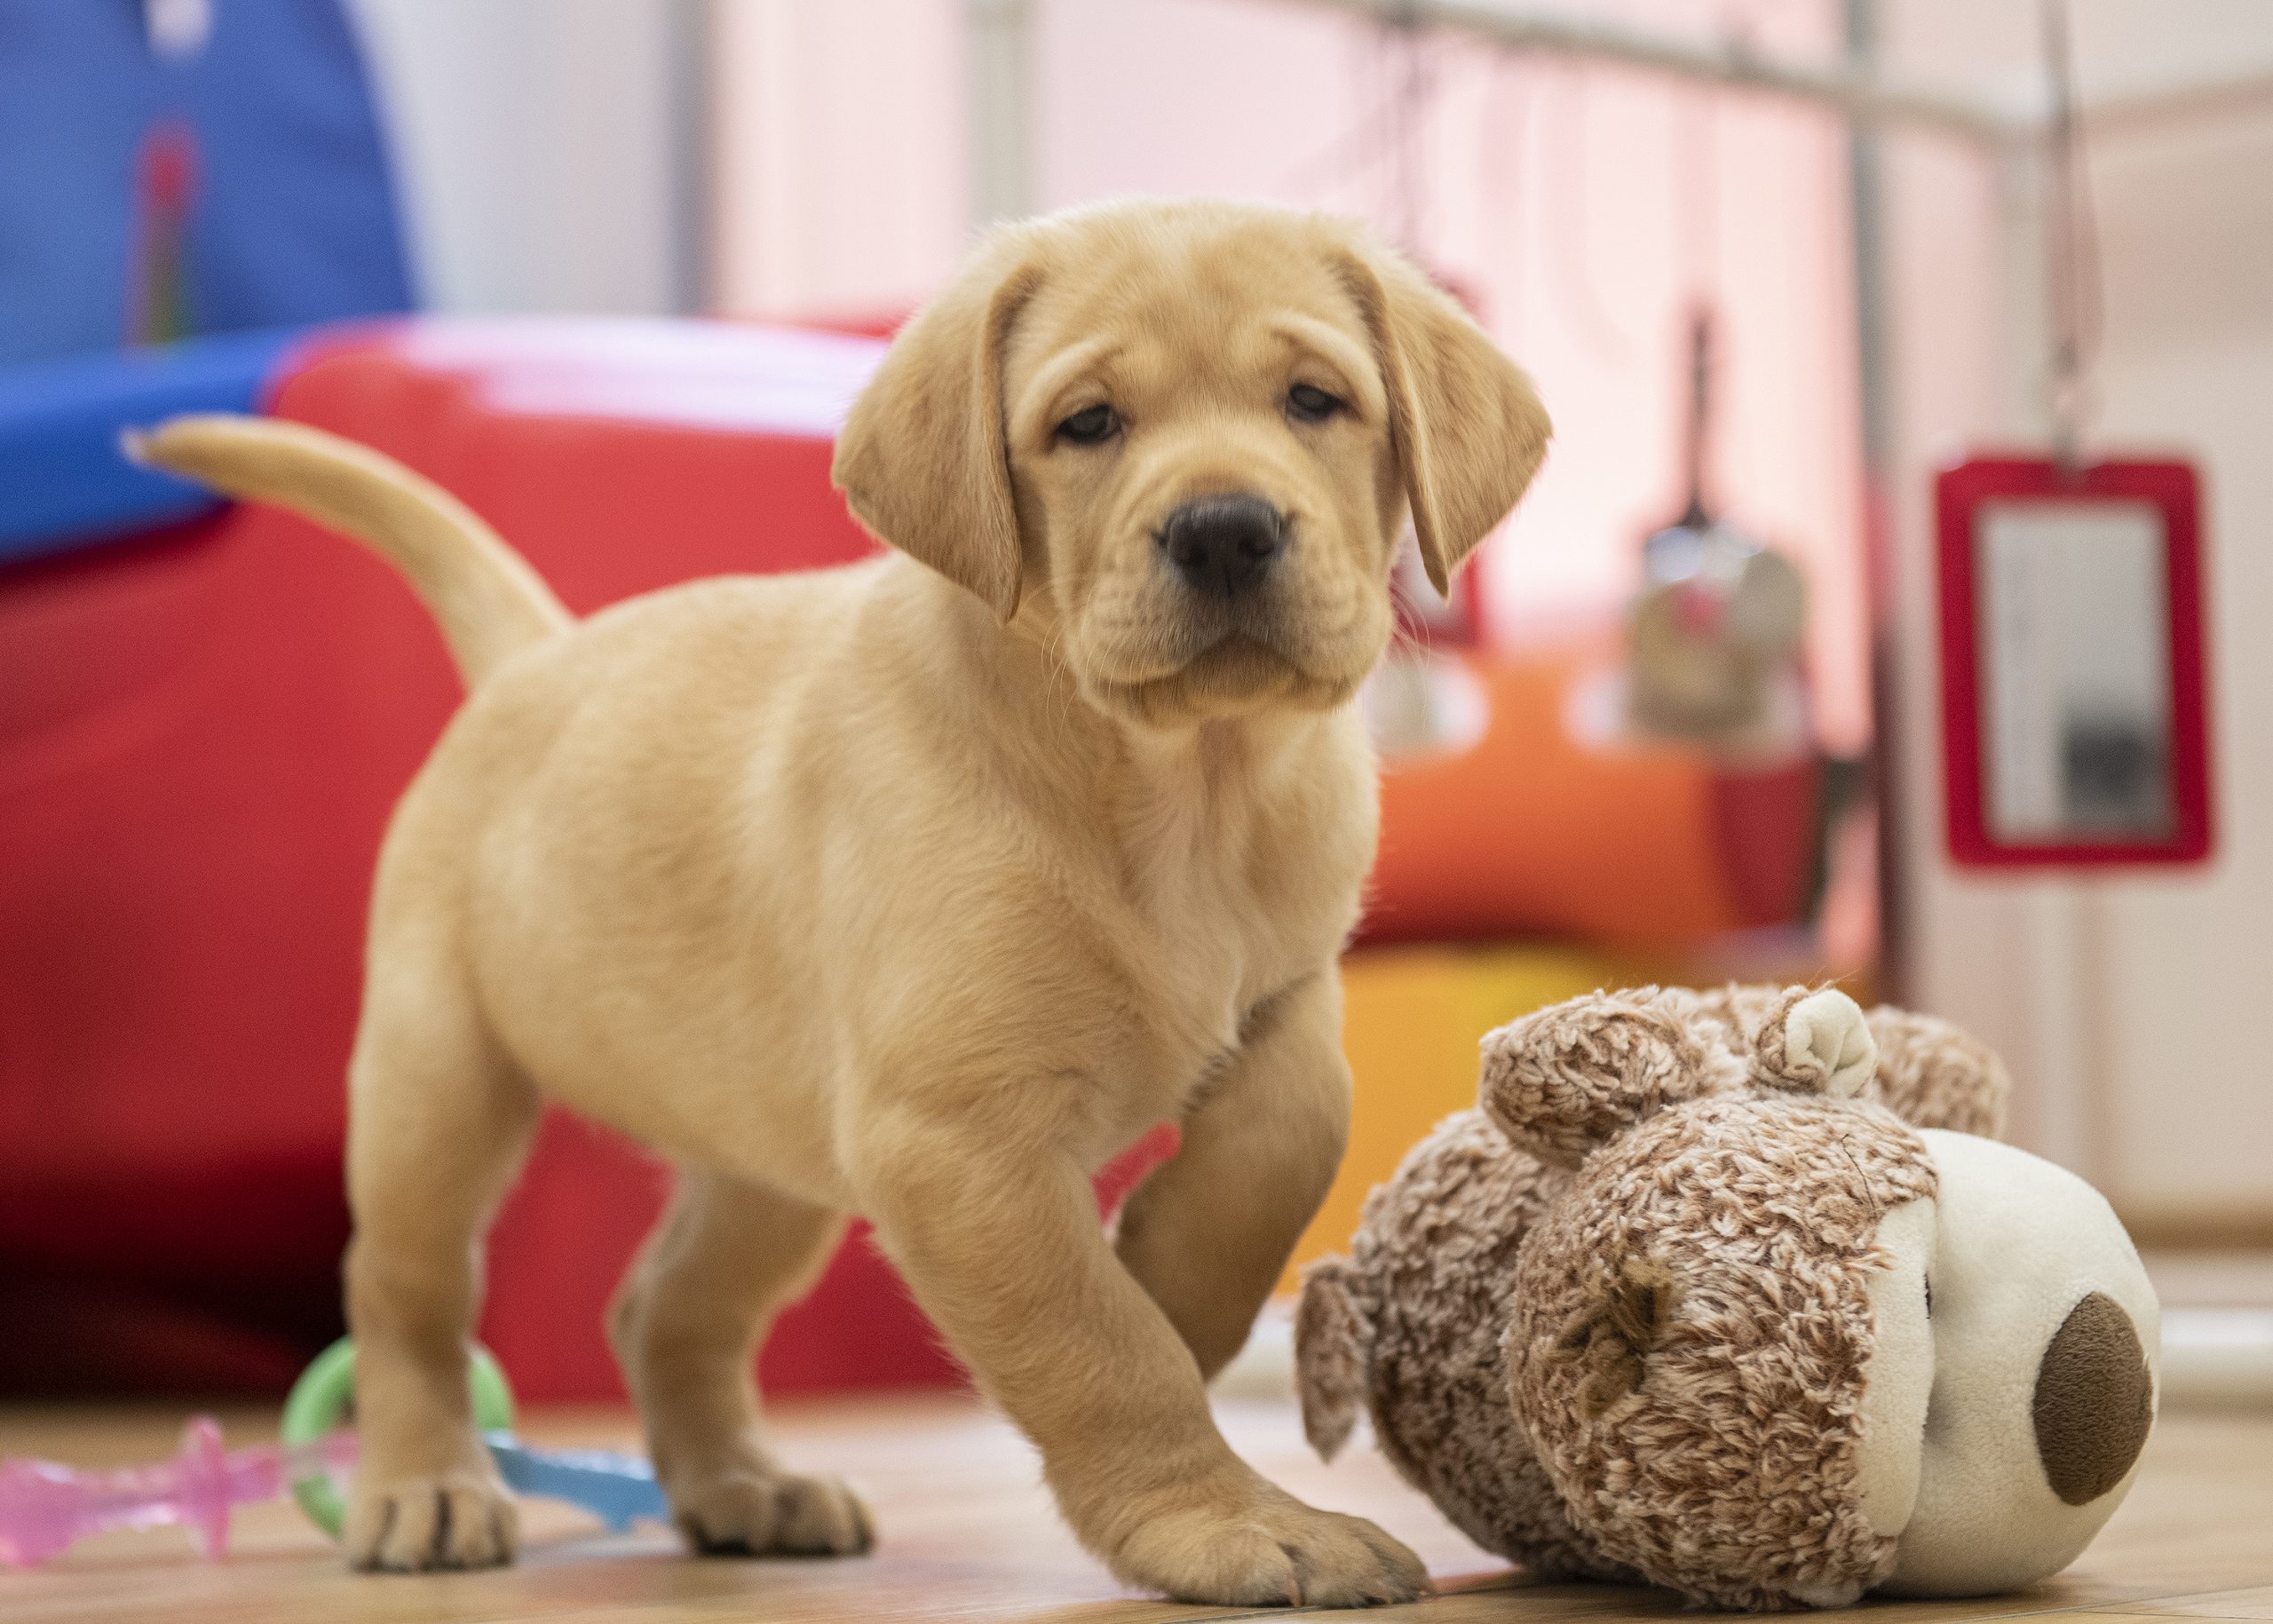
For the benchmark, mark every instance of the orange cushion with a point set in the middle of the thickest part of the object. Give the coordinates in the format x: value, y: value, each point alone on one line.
x: 1533, y: 830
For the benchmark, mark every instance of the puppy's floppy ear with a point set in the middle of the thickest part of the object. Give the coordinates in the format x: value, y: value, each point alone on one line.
x: 1567, y: 1079
x: 1469, y: 430
x: 923, y: 459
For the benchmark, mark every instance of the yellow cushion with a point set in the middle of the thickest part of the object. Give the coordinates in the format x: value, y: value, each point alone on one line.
x: 1413, y: 1020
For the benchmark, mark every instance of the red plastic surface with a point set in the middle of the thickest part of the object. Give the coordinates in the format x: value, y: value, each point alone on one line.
x: 2172, y: 487
x: 580, y: 1210
x: 201, y: 736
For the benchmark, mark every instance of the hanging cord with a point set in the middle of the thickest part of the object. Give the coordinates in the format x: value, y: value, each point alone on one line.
x: 1351, y: 154
x: 1366, y: 146
x: 1502, y: 171
x: 1569, y: 252
x: 1326, y: 175
x: 1697, y: 439
x: 2071, y: 252
x: 1401, y: 210
x: 1404, y: 211
x: 1695, y: 174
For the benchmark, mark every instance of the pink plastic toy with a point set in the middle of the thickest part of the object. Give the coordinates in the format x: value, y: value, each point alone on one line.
x: 44, y: 1508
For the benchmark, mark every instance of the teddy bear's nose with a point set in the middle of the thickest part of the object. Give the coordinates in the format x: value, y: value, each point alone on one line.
x: 2095, y: 1401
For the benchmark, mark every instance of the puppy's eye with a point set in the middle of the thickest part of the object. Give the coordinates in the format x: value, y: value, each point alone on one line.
x: 1090, y: 425
x: 1308, y: 403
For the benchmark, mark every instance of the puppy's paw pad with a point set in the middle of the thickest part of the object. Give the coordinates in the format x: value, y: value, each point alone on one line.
x: 458, y: 1520
x: 750, y: 1513
x: 1282, y: 1553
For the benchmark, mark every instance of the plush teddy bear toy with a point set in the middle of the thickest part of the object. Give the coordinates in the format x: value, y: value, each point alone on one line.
x: 1735, y: 1293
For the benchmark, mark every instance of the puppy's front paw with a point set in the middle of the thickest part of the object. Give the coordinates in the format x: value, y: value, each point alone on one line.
x: 1266, y: 1548
x: 750, y: 1512
x: 459, y: 1519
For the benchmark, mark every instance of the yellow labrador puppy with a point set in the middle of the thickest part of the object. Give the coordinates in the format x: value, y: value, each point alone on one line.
x: 921, y: 887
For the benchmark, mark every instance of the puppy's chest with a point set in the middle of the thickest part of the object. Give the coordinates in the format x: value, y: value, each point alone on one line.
x: 1216, y: 944
x: 1223, y: 924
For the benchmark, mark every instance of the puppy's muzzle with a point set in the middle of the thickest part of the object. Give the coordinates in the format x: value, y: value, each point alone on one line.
x: 1223, y: 546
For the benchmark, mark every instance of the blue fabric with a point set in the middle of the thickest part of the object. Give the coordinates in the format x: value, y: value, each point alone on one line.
x: 62, y: 480
x: 73, y: 104
x: 292, y: 217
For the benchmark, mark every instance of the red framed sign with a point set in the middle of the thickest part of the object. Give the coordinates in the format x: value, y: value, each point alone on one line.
x: 2075, y: 712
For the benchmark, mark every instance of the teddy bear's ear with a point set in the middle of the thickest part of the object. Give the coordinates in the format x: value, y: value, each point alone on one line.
x: 1814, y: 1042
x: 1626, y: 1307
x: 1562, y: 1080
x: 1331, y: 1342
x: 1931, y: 1074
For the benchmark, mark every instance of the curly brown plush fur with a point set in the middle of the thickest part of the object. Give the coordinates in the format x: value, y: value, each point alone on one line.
x: 1733, y: 1477
x: 1410, y: 1324
x: 1930, y: 1074
x: 1614, y: 1321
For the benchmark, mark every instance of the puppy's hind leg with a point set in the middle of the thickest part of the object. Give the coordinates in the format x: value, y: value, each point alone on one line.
x: 685, y: 1324
x: 439, y: 1121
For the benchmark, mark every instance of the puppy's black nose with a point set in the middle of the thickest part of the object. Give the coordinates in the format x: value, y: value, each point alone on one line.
x: 1224, y: 545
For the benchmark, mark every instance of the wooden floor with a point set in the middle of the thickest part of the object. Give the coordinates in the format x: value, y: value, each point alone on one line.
x: 967, y: 1533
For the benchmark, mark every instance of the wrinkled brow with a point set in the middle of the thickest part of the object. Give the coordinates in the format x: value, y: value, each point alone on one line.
x: 1054, y: 376
x: 1346, y: 355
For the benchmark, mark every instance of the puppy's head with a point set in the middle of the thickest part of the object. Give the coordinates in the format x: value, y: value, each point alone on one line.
x: 1185, y: 438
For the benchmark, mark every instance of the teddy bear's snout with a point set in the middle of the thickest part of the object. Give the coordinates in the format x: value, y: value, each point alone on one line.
x: 2095, y: 1401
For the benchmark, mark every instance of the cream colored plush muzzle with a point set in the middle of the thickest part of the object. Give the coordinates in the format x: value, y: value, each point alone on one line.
x: 2003, y: 1427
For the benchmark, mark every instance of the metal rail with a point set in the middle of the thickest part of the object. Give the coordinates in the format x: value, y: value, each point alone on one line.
x: 1862, y: 96
x: 1001, y: 165
x: 1727, y: 61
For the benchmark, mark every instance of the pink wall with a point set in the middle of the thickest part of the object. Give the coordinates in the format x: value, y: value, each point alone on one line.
x: 836, y: 159
x: 1567, y: 198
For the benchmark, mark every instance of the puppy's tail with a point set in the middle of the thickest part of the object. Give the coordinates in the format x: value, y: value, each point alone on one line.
x: 489, y: 603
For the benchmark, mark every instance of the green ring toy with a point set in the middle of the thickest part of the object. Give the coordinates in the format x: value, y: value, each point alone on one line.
x: 320, y: 1400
